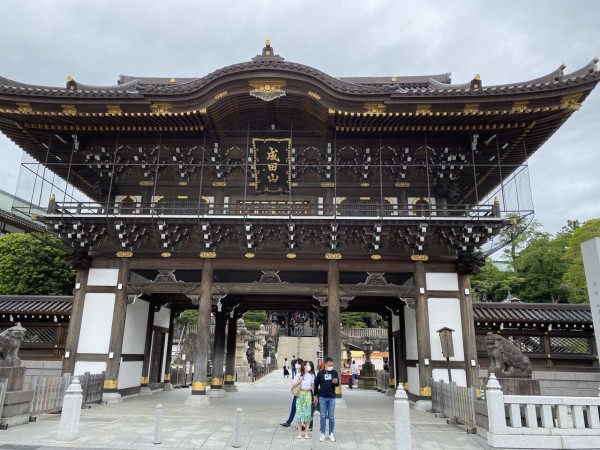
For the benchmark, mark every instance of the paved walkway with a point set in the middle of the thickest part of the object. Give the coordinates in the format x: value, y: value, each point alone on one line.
x: 366, y: 423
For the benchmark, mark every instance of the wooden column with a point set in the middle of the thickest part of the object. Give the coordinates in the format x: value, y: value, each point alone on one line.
x: 325, y: 336
x: 167, y: 368
x: 203, y: 336
x: 333, y: 319
x: 75, y: 321
x: 423, y: 340
x: 328, y: 205
x: 468, y: 329
x: 111, y: 379
x: 391, y: 351
x: 230, y: 358
x: 400, y: 353
x: 147, y: 347
x: 216, y: 381
x: 219, y: 207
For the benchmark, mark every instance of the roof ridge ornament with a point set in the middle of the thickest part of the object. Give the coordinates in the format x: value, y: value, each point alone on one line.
x: 268, y: 53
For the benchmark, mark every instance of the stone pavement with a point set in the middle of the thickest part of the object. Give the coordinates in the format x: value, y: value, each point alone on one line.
x: 365, y: 423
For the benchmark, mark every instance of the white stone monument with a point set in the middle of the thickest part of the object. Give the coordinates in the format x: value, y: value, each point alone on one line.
x: 591, y: 261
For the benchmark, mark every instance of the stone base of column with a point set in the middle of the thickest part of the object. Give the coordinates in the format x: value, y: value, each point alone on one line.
x: 145, y: 390
x: 230, y: 388
x: 390, y: 392
x: 197, y: 400
x: 167, y: 387
x: 423, y: 405
x: 216, y: 393
x: 112, y: 397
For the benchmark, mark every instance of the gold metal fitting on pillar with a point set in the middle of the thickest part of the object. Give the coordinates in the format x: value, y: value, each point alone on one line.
x: 144, y: 380
x: 229, y: 379
x: 425, y: 391
x: 111, y: 384
x: 167, y: 377
x: 216, y: 382
x: 198, y: 388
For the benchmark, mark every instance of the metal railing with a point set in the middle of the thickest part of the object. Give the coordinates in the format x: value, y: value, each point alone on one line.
x: 277, y: 208
x: 366, y: 332
x: 455, y: 402
x: 260, y: 371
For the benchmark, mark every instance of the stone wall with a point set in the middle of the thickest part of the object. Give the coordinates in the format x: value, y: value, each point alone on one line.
x: 41, y: 368
x: 563, y: 383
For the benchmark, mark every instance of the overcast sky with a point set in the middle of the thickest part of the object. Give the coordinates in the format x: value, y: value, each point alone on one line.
x: 42, y: 42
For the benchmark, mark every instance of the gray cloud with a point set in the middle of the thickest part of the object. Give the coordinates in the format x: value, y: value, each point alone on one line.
x: 504, y: 41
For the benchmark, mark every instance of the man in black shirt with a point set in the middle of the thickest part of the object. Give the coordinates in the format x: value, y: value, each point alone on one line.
x: 325, y: 383
x: 293, y: 364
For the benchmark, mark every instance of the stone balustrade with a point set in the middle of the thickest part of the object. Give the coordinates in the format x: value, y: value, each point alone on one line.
x: 541, y: 422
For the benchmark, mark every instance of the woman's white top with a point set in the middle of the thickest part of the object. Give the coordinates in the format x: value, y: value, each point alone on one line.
x: 307, y: 381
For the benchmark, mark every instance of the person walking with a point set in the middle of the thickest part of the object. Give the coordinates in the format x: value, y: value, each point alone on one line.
x: 286, y: 372
x: 304, y: 403
x: 293, y: 363
x: 354, y: 371
x: 294, y: 399
x: 325, y: 383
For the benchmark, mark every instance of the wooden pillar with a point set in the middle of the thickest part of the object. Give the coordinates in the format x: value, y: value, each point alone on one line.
x: 147, y: 350
x: 328, y: 205
x: 230, y: 358
x: 75, y: 321
x: 219, y: 207
x: 333, y: 319
x: 391, y: 357
x: 111, y: 379
x: 167, y: 378
x: 403, y: 202
x: 325, y: 336
x: 423, y: 340
x: 400, y: 353
x: 203, y: 336
x: 468, y: 329
x: 216, y: 382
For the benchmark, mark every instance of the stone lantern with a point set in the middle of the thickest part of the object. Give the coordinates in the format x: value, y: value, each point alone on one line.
x: 368, y: 374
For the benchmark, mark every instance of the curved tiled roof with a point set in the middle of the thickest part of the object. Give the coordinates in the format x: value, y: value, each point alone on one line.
x: 532, y: 313
x: 36, y: 304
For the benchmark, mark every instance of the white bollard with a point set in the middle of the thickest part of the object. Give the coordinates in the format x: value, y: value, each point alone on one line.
x: 71, y: 412
x: 236, y: 441
x: 158, y: 422
x: 402, y: 420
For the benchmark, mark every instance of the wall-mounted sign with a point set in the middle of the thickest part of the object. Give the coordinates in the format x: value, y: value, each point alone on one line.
x: 271, y: 165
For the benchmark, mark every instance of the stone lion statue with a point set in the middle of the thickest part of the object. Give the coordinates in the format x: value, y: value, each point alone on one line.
x: 10, y: 343
x: 505, y: 358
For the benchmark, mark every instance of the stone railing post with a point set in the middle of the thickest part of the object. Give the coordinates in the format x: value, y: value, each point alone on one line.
x: 71, y: 412
x: 402, y: 437
x: 495, y: 406
x: 236, y: 442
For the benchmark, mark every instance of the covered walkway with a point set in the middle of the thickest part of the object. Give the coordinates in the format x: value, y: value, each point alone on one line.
x: 366, y: 422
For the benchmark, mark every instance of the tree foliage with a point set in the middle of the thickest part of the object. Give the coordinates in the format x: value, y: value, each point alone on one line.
x: 546, y: 268
x: 34, y: 264
x: 254, y: 319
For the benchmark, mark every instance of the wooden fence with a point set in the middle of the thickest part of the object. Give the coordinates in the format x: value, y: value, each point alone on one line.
x: 383, y: 380
x: 366, y: 332
x: 455, y: 402
x: 49, y: 392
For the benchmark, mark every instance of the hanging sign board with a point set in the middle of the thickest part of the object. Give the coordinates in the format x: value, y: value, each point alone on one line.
x: 271, y: 165
x: 591, y: 262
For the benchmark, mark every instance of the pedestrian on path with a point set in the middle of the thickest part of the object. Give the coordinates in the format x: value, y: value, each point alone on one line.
x: 294, y: 363
x: 354, y: 371
x: 295, y: 379
x: 325, y: 383
x: 286, y: 372
x: 303, y: 404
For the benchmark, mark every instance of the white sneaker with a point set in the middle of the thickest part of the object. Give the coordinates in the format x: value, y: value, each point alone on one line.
x: 331, y: 437
x: 322, y: 438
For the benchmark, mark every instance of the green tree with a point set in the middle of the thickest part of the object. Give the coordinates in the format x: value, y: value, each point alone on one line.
x: 542, y: 264
x: 574, y: 276
x: 517, y: 235
x: 188, y: 317
x: 254, y: 319
x: 493, y: 284
x: 34, y: 264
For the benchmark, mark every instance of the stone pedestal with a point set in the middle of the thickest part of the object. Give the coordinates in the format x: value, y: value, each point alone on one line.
x: 242, y: 368
x: 517, y: 386
x: 71, y: 413
x: 17, y: 402
x: 111, y: 397
x: 167, y: 386
x: 216, y: 393
x: 145, y: 390
x: 368, y: 376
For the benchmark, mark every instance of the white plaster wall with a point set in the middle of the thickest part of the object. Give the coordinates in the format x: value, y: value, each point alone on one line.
x: 162, y: 318
x: 413, y: 380
x: 395, y: 323
x: 96, y: 323
x: 410, y: 333
x: 458, y: 376
x: 92, y: 367
x: 136, y: 321
x: 165, y: 366
x: 441, y: 281
x: 445, y: 312
x: 103, y: 277
x: 130, y: 374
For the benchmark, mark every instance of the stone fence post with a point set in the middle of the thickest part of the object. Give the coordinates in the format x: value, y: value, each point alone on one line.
x: 495, y: 406
x: 402, y: 436
x: 71, y: 412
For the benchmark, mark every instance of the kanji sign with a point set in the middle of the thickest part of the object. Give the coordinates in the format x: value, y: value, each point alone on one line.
x: 271, y: 164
